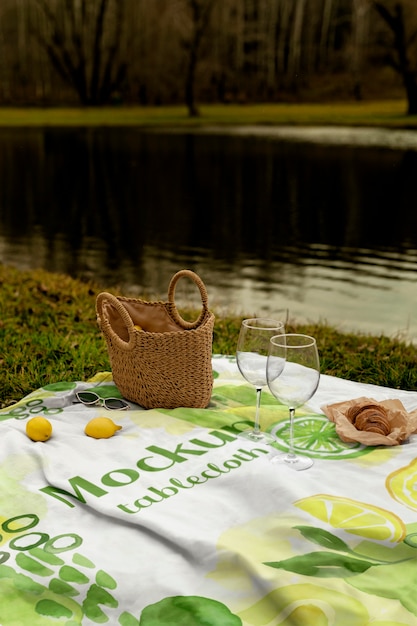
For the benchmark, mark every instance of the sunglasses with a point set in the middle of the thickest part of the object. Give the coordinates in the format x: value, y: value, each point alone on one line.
x: 89, y: 398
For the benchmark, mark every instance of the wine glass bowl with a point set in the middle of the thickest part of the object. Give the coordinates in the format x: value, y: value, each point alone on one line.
x: 251, y: 358
x: 293, y: 375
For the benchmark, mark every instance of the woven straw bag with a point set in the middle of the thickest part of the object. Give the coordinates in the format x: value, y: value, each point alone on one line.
x: 167, y: 363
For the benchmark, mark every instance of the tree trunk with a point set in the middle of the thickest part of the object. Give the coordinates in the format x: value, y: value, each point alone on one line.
x: 410, y: 84
x: 360, y: 26
x: 326, y: 25
x: 401, y: 61
x: 295, y: 49
x: 200, y: 16
x: 283, y: 36
x: 190, y: 100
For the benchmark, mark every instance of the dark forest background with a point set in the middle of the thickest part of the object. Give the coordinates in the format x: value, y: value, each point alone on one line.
x: 154, y: 52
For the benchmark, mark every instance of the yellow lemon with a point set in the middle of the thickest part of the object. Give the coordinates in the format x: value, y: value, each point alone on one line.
x: 101, y: 428
x: 355, y: 517
x: 39, y: 429
x: 402, y: 485
x: 138, y: 327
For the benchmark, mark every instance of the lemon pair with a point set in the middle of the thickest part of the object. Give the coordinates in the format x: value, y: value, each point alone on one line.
x: 40, y: 429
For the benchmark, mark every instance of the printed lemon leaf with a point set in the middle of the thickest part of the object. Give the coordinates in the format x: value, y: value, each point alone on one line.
x: 95, y: 596
x: 396, y: 581
x: 202, y: 417
x: 108, y: 391
x: 238, y: 394
x: 323, y: 538
x: 127, y: 619
x: 323, y: 565
x: 353, y: 516
x: 188, y: 611
x: 60, y: 386
x: 29, y: 602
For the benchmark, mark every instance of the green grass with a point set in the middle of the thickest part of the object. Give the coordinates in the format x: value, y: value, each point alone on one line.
x: 48, y: 333
x: 391, y: 113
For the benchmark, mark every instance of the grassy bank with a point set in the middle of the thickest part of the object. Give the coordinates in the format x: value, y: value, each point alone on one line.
x: 48, y: 333
x: 389, y: 114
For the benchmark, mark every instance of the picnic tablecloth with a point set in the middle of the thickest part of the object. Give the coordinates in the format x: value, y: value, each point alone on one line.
x: 176, y: 520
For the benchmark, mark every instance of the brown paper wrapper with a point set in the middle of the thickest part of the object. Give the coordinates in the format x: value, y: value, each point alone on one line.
x: 402, y: 423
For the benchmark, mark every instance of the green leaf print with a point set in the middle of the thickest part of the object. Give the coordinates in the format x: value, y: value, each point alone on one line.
x: 323, y: 538
x: 188, y: 611
x: 396, y: 580
x: 323, y: 565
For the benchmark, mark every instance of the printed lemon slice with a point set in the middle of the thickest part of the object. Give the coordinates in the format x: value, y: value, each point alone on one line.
x: 39, y: 429
x: 402, y: 485
x: 315, y: 436
x: 101, y: 428
x: 355, y: 517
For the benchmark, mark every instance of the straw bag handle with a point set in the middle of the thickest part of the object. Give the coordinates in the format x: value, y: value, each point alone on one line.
x: 100, y: 300
x: 171, y: 299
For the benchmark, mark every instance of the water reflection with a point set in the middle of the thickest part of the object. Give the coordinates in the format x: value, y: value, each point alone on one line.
x: 328, y: 231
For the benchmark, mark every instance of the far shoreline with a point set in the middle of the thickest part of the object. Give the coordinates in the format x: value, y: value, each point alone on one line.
x: 379, y: 113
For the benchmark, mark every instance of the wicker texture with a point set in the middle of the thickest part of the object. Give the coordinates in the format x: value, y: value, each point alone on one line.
x: 168, y: 363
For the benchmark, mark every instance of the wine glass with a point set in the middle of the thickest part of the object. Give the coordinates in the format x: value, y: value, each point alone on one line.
x: 293, y: 374
x: 251, y: 357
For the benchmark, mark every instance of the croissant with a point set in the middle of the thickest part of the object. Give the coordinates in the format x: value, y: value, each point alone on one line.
x: 371, y: 418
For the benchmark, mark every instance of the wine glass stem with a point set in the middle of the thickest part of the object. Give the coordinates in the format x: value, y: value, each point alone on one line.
x: 256, y: 428
x: 291, y: 450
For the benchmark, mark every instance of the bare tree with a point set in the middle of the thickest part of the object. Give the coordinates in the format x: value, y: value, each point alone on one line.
x: 176, y: 51
x: 199, y: 14
x: 83, y: 40
x: 402, y: 54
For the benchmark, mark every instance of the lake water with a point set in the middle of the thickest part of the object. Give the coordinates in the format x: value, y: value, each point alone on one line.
x: 320, y: 221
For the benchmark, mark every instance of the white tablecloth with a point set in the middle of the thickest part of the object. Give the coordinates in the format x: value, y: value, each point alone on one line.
x: 176, y: 520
